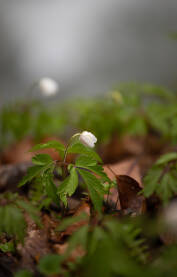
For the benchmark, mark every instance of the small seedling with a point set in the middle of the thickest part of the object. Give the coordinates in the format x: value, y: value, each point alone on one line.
x: 87, y: 165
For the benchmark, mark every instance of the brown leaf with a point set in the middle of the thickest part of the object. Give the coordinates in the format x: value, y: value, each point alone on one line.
x: 83, y: 208
x: 128, y: 167
x: 119, y: 148
x: 35, y: 245
x: 18, y: 152
x: 128, y: 189
x: 76, y: 253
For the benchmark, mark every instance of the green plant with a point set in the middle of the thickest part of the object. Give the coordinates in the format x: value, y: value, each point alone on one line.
x: 130, y: 108
x: 161, y: 178
x: 111, y: 248
x: 13, y: 223
x: 33, y: 119
x: 23, y: 273
x: 85, y: 165
x: 50, y: 264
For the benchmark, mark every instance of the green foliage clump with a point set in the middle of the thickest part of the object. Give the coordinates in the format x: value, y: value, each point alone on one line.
x: 13, y: 222
x: 34, y: 119
x: 50, y: 264
x: 161, y: 178
x: 131, y: 108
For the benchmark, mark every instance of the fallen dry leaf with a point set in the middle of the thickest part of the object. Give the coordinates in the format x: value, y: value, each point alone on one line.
x: 18, y: 152
x: 83, y: 208
x: 128, y: 167
x: 35, y: 245
x: 128, y: 189
x: 76, y: 253
x: 119, y: 148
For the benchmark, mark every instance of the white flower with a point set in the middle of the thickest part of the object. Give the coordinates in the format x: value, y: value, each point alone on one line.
x: 48, y: 87
x: 88, y: 139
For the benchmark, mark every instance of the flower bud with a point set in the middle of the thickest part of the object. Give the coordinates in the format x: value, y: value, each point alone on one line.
x: 48, y: 87
x: 88, y: 139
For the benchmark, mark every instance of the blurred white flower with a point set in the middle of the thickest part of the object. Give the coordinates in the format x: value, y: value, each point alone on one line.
x: 170, y: 215
x: 88, y: 139
x: 48, y: 87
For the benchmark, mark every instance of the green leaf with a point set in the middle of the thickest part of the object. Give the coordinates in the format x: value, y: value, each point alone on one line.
x: 150, y: 181
x: 7, y: 247
x: 78, y: 238
x: 23, y: 273
x: 83, y: 161
x: 66, y: 222
x: 164, y: 187
x: 41, y: 159
x: 32, y: 172
x: 98, y: 234
x: 59, y: 147
x: 12, y: 221
x: 164, y: 190
x: 79, y: 148
x: 50, y: 187
x: 31, y: 210
x: 35, y: 171
x: 88, y: 163
x: 50, y: 264
x: 96, y: 190
x: 68, y: 186
x: 167, y: 158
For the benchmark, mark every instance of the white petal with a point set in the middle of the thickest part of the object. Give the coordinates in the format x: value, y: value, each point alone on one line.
x: 48, y: 87
x: 88, y: 139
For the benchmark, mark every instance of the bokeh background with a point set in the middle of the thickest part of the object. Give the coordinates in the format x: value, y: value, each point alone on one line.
x: 88, y: 46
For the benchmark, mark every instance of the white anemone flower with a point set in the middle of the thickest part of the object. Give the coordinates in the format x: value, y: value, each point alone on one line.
x: 88, y: 139
x: 48, y: 87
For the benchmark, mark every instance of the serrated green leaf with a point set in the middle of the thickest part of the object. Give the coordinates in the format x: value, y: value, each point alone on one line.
x: 83, y: 161
x: 96, y: 190
x: 150, y: 181
x: 50, y: 264
x: 32, y: 172
x: 41, y: 159
x: 79, y: 148
x: 163, y: 190
x: 51, y: 144
x: 164, y: 187
x: 68, y: 186
x: 31, y: 210
x: 167, y: 158
x: 50, y: 187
